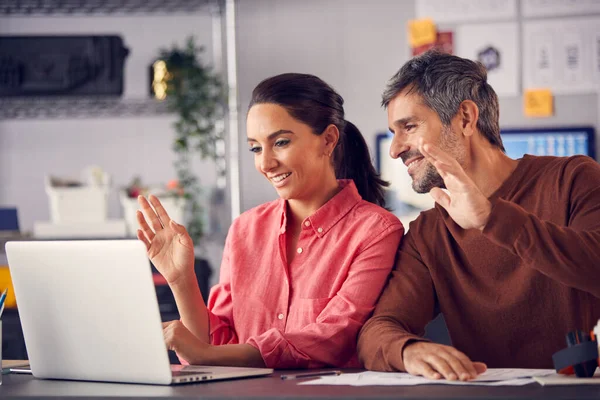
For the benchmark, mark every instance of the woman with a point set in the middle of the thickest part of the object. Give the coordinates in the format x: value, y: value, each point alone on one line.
x: 300, y: 275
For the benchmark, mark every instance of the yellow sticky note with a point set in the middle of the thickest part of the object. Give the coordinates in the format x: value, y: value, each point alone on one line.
x: 538, y: 103
x: 421, y: 32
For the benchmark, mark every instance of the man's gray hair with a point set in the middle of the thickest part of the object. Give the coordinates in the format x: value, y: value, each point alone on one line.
x: 444, y: 81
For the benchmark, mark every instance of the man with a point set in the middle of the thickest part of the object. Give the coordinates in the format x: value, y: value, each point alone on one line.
x: 511, y: 252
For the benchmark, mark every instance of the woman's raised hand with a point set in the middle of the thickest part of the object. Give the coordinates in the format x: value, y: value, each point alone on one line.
x: 169, y: 245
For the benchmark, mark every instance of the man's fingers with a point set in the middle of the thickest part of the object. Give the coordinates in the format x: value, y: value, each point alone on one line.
x: 466, y: 362
x: 430, y: 158
x: 429, y: 359
x: 460, y: 367
x: 480, y: 367
x: 440, y: 197
x: 438, y: 154
x: 443, y: 367
x: 442, y: 161
x: 424, y: 369
x: 441, y: 167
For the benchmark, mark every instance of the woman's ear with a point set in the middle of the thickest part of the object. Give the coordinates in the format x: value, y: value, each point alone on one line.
x: 330, y: 136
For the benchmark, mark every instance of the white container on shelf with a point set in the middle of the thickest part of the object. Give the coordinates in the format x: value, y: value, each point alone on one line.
x: 88, y: 203
x: 174, y: 206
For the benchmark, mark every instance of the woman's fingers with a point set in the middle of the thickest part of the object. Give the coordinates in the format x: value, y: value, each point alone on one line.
x: 160, y: 210
x: 155, y: 222
x: 143, y: 238
x: 148, y: 232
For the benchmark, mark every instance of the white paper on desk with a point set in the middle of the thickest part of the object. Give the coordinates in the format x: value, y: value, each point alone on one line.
x: 502, y: 374
x: 556, y: 379
x: 492, y: 377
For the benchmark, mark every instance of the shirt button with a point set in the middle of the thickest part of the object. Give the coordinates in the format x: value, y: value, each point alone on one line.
x: 280, y: 316
x: 307, y: 223
x: 299, y: 250
x: 320, y: 230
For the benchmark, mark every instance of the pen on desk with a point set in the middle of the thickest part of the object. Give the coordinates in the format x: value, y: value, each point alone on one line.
x: 310, y: 375
x: 2, y: 300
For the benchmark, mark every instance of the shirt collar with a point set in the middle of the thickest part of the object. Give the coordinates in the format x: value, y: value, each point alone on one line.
x: 330, y: 213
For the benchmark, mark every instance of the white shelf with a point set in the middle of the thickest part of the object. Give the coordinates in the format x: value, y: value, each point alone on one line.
x: 101, y: 7
x: 78, y: 107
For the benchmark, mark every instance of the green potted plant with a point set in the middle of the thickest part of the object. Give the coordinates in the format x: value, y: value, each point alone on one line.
x: 197, y: 95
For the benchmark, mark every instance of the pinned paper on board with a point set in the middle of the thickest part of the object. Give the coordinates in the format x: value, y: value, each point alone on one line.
x: 496, y: 46
x: 538, y: 103
x: 444, y: 11
x: 562, y: 54
x: 444, y: 43
x: 421, y: 32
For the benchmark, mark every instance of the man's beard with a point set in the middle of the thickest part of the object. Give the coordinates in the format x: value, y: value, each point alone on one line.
x: 430, y: 176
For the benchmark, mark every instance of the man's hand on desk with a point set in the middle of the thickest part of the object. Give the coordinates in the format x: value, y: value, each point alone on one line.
x: 435, y: 361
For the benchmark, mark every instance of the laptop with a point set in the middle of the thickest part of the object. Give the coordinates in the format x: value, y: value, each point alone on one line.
x: 89, y: 311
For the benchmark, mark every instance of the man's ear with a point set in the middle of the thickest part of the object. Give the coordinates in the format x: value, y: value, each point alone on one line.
x: 468, y: 115
x: 330, y: 136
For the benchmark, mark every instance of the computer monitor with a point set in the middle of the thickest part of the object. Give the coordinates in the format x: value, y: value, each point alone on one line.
x: 549, y: 142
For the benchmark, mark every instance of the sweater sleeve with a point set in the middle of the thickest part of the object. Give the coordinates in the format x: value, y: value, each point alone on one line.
x: 405, y: 307
x: 568, y: 254
x: 331, y: 339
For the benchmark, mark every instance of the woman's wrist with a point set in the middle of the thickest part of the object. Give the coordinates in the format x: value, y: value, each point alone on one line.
x: 184, y: 281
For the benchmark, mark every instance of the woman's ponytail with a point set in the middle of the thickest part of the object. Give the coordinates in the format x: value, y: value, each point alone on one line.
x: 352, y: 161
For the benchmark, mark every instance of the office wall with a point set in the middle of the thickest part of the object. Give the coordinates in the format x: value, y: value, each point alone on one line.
x: 355, y: 46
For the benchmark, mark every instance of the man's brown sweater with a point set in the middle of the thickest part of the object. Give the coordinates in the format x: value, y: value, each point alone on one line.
x: 510, y: 294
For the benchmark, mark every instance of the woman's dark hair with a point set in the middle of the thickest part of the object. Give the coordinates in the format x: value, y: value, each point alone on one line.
x: 316, y: 104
